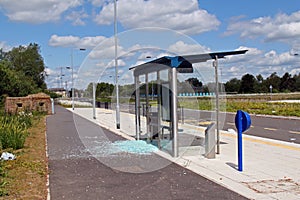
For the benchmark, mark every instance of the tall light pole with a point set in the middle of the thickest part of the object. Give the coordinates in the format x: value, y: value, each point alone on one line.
x: 66, y: 84
x: 72, y: 67
x: 116, y: 66
x: 72, y: 84
x: 61, y: 75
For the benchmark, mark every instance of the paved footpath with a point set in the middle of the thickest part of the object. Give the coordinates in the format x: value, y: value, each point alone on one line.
x: 76, y: 174
x: 271, y: 167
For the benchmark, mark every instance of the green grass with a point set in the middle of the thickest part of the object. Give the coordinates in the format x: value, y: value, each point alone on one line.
x: 13, y: 130
x: 283, y: 109
x: 13, y: 133
x: 30, y: 166
x: 250, y: 105
x: 3, y: 182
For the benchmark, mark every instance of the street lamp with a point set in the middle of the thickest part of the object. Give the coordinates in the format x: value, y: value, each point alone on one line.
x: 116, y: 66
x: 72, y: 81
x: 61, y: 81
x: 72, y: 67
x: 61, y: 75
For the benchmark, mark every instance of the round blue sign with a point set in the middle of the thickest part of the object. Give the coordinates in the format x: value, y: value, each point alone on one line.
x: 242, y: 120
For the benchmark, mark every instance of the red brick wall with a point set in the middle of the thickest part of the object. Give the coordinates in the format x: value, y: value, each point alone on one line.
x: 36, y: 102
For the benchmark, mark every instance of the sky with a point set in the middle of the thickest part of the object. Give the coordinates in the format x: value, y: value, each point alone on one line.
x: 269, y: 30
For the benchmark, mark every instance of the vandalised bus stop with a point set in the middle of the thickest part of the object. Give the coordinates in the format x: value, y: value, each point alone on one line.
x: 165, y: 117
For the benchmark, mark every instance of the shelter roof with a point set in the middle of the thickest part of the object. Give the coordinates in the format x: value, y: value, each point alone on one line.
x: 182, y: 63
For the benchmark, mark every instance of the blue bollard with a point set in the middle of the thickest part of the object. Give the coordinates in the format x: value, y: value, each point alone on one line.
x: 242, y: 123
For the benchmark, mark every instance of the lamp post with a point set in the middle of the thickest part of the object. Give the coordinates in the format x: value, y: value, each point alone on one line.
x: 60, y: 77
x: 58, y: 82
x: 72, y: 67
x: 116, y: 66
x: 72, y: 84
x: 66, y: 85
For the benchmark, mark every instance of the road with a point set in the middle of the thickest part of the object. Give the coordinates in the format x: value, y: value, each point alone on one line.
x: 273, y: 127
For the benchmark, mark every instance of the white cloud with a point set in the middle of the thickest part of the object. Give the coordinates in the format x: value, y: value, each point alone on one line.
x: 4, y: 46
x: 90, y: 42
x: 282, y: 27
x: 256, y: 62
x: 37, y: 11
x: 63, y: 41
x: 106, y: 50
x: 111, y: 64
x: 75, y: 41
x: 100, y: 2
x: 77, y: 17
x: 182, y: 48
x: 181, y: 15
x: 295, y: 71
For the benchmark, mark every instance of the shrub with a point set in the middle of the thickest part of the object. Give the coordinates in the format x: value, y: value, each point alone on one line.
x: 13, y: 130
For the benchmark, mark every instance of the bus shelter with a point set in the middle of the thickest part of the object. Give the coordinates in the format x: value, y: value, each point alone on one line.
x: 166, y: 116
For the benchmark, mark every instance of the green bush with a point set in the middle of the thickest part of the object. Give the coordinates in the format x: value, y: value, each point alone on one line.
x: 13, y: 130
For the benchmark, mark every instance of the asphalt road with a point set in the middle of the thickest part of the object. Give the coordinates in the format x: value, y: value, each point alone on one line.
x: 75, y: 174
x: 273, y: 127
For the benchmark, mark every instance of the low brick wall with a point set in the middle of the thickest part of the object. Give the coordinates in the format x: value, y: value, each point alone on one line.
x: 36, y: 102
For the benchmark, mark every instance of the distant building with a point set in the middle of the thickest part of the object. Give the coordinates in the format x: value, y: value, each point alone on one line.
x: 59, y: 91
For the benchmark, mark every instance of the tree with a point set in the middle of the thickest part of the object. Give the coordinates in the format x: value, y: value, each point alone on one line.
x: 194, y: 82
x: 247, y: 84
x: 21, y: 71
x: 2, y: 54
x: 128, y: 90
x: 89, y: 90
x: 273, y: 80
x: 185, y: 87
x: 233, y: 85
x: 28, y: 61
x: 259, y: 87
x: 190, y: 85
x: 259, y: 78
x: 297, y: 82
x: 14, y: 83
x: 287, y: 83
x: 104, y: 89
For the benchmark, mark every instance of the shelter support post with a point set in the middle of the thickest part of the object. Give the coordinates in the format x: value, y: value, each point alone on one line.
x: 137, y: 108
x: 210, y: 141
x: 215, y: 64
x: 158, y: 85
x: 174, y: 117
x: 147, y: 108
x: 94, y: 100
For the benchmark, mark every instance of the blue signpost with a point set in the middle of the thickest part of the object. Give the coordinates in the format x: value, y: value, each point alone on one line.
x: 242, y: 123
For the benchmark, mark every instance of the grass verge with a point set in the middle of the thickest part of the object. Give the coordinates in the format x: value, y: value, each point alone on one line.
x: 250, y: 105
x: 25, y: 177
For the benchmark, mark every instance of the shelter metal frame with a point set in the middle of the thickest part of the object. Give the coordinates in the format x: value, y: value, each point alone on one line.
x: 174, y: 65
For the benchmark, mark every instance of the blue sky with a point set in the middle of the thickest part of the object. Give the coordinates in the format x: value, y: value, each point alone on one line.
x: 270, y: 30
